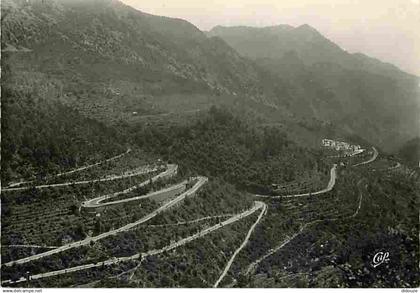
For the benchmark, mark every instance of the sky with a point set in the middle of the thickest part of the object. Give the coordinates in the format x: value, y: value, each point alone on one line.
x: 385, y: 29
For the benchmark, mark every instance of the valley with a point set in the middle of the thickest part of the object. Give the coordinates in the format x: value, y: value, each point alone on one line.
x: 140, y: 151
x: 298, y: 213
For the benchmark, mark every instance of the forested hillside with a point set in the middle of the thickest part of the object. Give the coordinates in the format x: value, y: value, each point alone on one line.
x: 139, y: 152
x: 222, y: 144
x: 103, y: 48
x: 363, y: 95
x: 116, y: 64
x: 41, y: 136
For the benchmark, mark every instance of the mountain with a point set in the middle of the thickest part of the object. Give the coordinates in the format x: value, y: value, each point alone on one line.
x: 361, y: 94
x: 275, y: 41
x: 309, y: 44
x: 41, y: 136
x: 96, y: 48
x: 138, y: 152
x: 119, y: 65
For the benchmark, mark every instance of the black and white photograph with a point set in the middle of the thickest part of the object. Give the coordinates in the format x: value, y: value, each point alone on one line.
x: 210, y: 144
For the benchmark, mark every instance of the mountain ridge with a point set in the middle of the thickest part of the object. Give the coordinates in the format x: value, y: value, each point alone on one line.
x: 139, y: 61
x: 362, y: 88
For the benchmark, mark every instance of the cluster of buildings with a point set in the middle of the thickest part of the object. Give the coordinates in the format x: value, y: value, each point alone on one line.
x: 348, y: 149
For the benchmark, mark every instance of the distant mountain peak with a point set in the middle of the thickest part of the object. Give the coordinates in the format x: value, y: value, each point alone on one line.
x: 308, y: 30
x: 306, y: 26
x: 279, y: 27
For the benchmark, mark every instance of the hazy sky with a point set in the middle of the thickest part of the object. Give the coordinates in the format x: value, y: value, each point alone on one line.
x: 385, y: 29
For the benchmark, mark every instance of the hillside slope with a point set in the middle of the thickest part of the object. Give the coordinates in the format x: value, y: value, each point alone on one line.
x: 116, y: 64
x: 105, y: 48
x: 410, y: 152
x: 358, y: 93
x: 41, y: 136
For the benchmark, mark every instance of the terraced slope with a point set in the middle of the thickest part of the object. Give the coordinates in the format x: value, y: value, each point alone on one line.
x: 298, y: 215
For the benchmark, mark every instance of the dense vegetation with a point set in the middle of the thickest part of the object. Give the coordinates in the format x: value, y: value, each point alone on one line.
x: 110, y: 61
x: 117, y: 65
x: 215, y: 199
x: 337, y: 251
x: 50, y: 216
x: 223, y: 145
x: 321, y: 80
x: 40, y: 137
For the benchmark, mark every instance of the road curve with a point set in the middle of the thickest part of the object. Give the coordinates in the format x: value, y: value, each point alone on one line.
x: 137, y: 172
x: 230, y: 262
x: 375, y: 155
x: 254, y: 265
x: 200, y: 182
x: 355, y: 153
x: 16, y: 184
x: 330, y: 186
x: 114, y: 260
x: 98, y: 201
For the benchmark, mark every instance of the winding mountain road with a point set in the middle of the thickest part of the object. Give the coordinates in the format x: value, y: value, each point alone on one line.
x: 98, y: 201
x: 248, y: 235
x: 257, y: 205
x: 355, y: 153
x: 374, y: 156
x: 16, y: 184
x: 137, y: 172
x: 192, y: 221
x: 88, y: 240
x: 170, y: 171
x: 330, y: 186
x: 255, y: 264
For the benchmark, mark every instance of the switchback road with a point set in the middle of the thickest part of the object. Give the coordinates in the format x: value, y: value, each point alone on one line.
x: 16, y: 184
x: 88, y: 240
x: 255, y: 264
x: 375, y: 155
x: 192, y: 221
x: 330, y: 186
x: 98, y: 201
x: 115, y: 260
x: 137, y: 172
x: 229, y: 264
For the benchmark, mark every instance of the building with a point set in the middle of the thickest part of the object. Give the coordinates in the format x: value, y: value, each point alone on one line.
x: 345, y: 147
